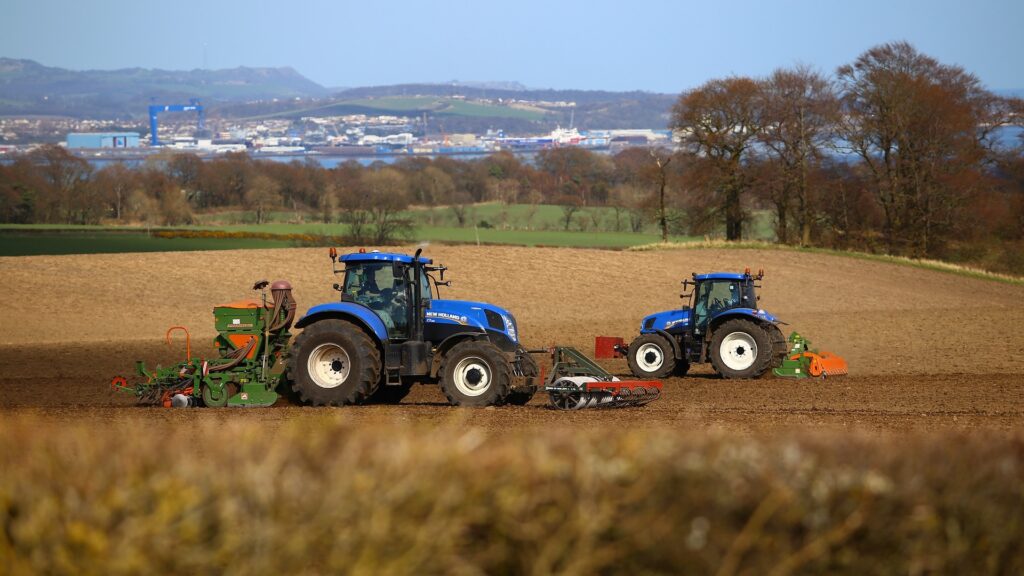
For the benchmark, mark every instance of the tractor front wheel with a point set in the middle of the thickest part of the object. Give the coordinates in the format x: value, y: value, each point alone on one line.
x: 741, y: 349
x: 475, y: 373
x: 334, y: 363
x: 651, y: 356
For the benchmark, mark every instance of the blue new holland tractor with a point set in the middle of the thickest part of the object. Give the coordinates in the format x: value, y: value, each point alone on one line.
x: 721, y: 324
x: 390, y: 329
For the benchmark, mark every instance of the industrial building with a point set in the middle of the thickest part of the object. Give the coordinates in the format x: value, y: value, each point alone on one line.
x: 103, y: 140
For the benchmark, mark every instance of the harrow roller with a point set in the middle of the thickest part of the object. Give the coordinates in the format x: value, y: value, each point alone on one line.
x: 576, y: 382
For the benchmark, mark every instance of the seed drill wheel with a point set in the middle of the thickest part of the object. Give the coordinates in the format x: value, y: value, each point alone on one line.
x: 334, y: 363
x: 651, y: 356
x: 216, y: 398
x: 741, y: 349
x: 475, y: 373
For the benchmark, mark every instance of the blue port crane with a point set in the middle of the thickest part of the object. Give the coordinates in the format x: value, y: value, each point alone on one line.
x: 156, y: 109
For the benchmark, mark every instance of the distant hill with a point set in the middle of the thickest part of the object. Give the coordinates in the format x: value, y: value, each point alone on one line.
x: 456, y: 109
x: 30, y: 88
x: 27, y: 87
x: 593, y: 109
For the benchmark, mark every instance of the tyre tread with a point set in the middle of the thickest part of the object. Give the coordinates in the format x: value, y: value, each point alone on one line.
x: 368, y: 362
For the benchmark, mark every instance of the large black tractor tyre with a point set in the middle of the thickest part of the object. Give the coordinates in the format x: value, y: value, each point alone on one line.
x: 390, y: 394
x: 651, y: 356
x: 333, y: 363
x: 475, y: 373
x: 741, y: 349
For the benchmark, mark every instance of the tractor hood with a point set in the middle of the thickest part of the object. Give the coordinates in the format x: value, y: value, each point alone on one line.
x: 673, y: 321
x: 670, y: 321
x: 763, y: 315
x: 486, y: 317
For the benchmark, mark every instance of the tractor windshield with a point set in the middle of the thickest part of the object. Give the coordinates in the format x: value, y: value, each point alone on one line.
x: 374, y: 285
x: 718, y: 295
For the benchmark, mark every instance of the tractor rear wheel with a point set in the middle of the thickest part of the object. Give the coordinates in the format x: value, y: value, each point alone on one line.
x: 651, y: 356
x: 334, y: 363
x: 741, y: 349
x: 475, y: 373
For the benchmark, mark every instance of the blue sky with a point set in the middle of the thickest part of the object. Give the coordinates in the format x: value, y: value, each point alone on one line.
x: 653, y: 45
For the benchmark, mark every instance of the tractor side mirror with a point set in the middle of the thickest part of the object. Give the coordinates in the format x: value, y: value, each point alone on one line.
x: 397, y: 270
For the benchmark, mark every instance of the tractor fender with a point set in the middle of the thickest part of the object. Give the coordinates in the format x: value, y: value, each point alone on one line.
x: 441, y: 349
x: 677, y: 350
x: 759, y: 316
x: 359, y: 315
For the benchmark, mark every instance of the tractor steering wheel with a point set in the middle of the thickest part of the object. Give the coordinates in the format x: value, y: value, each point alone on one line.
x: 399, y: 298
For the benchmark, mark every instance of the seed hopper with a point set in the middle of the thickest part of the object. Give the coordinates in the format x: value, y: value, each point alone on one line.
x: 252, y: 337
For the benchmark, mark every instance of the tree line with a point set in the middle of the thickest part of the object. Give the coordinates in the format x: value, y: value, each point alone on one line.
x: 896, y: 152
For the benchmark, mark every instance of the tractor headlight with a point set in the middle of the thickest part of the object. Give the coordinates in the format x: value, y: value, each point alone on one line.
x: 510, y: 327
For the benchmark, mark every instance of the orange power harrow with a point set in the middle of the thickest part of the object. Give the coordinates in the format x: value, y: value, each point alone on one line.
x: 802, y: 362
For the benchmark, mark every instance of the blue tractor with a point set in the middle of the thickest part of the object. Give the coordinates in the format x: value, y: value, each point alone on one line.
x: 721, y: 324
x: 390, y: 329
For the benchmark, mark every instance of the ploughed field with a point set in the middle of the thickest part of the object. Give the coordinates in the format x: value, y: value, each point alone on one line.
x: 927, y: 350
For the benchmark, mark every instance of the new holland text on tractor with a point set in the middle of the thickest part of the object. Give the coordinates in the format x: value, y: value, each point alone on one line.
x: 723, y: 324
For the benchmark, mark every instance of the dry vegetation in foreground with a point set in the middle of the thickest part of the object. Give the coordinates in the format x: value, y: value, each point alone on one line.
x: 322, y: 496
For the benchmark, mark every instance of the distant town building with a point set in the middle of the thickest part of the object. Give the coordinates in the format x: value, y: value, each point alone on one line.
x: 103, y: 140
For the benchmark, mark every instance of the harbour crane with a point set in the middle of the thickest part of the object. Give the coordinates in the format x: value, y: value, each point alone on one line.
x: 156, y: 109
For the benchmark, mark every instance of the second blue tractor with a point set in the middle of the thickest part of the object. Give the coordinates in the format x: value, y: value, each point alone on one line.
x: 721, y: 324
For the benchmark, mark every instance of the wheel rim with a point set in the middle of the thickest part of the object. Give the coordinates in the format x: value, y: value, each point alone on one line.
x: 472, y: 376
x: 329, y: 365
x: 211, y: 399
x: 650, y: 357
x: 738, y: 351
x: 573, y: 399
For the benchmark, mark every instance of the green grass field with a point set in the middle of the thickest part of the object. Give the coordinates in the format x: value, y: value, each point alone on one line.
x: 528, y: 217
x: 111, y: 241
x: 491, y: 223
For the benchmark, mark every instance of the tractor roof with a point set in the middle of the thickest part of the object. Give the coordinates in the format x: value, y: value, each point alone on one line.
x: 375, y: 256
x: 720, y: 276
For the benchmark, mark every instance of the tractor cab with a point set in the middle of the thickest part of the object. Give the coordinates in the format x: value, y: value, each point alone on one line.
x: 714, y: 294
x: 384, y: 284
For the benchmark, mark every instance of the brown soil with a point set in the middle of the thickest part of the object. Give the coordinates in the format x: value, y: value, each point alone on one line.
x: 927, y: 350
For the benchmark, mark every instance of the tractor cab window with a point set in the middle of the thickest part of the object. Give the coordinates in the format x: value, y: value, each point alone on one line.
x: 716, y: 296
x: 373, y: 284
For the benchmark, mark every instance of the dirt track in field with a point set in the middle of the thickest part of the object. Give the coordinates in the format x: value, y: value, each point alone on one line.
x: 927, y: 350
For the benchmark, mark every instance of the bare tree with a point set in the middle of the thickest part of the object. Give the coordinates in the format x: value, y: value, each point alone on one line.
x: 800, y: 112
x: 114, y: 183
x: 386, y: 194
x: 719, y: 122
x: 262, y: 194
x: 662, y: 163
x: 924, y: 131
x: 570, y: 206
